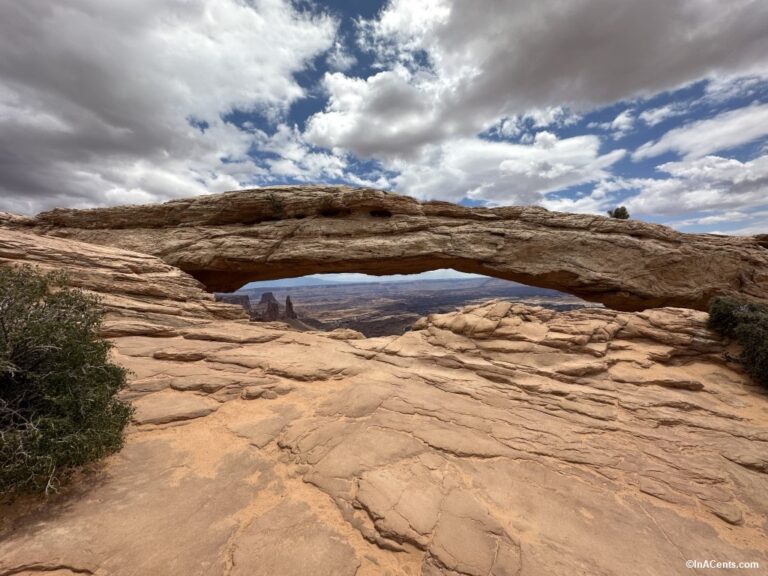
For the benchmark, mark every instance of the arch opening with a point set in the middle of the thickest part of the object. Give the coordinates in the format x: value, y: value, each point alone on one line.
x: 382, y: 305
x: 228, y: 275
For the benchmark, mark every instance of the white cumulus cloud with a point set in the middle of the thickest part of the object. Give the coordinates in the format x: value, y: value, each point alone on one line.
x: 711, y: 183
x: 653, y: 116
x: 96, y: 97
x: 502, y: 172
x: 726, y: 130
x: 452, y: 69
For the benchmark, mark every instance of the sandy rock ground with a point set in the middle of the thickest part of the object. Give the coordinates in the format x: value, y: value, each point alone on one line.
x: 497, y: 440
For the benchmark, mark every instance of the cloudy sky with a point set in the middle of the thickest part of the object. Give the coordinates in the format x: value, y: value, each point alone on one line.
x: 577, y: 105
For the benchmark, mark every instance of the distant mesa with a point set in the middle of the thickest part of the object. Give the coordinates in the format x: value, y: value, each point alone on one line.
x: 267, y: 309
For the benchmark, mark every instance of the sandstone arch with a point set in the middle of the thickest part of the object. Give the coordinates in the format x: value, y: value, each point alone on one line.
x: 226, y: 240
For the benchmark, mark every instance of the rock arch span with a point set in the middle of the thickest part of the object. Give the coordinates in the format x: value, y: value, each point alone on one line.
x: 226, y: 240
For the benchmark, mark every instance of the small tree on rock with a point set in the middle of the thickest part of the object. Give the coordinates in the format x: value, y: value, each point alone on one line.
x: 58, y: 403
x: 621, y: 213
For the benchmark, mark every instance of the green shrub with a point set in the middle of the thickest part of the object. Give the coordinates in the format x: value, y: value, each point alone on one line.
x: 621, y: 213
x: 748, y: 324
x: 58, y: 404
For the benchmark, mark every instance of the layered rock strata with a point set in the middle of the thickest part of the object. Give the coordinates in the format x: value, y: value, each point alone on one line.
x: 140, y: 293
x: 226, y: 240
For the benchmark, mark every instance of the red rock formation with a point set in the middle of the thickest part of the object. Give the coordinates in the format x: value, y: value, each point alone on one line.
x: 267, y: 310
x: 226, y: 240
x: 498, y: 439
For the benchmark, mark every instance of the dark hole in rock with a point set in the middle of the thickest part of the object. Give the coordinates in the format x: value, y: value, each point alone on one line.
x: 380, y: 213
x: 331, y: 212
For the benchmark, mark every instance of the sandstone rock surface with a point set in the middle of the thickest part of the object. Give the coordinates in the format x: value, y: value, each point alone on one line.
x: 226, y: 240
x: 499, y: 439
x: 142, y: 295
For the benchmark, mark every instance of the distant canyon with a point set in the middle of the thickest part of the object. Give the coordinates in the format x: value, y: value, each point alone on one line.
x: 384, y: 308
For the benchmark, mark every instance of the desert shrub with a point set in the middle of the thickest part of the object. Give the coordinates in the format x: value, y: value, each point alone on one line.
x: 621, y: 213
x: 58, y: 404
x: 726, y: 314
x: 748, y: 324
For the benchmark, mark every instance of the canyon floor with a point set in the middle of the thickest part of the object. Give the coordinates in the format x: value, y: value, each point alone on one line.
x: 500, y: 439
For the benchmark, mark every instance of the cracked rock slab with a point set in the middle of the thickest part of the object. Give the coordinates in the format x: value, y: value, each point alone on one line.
x: 291, y: 541
x: 165, y: 407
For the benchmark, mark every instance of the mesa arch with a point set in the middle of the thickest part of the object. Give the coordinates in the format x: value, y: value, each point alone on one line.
x: 226, y: 240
